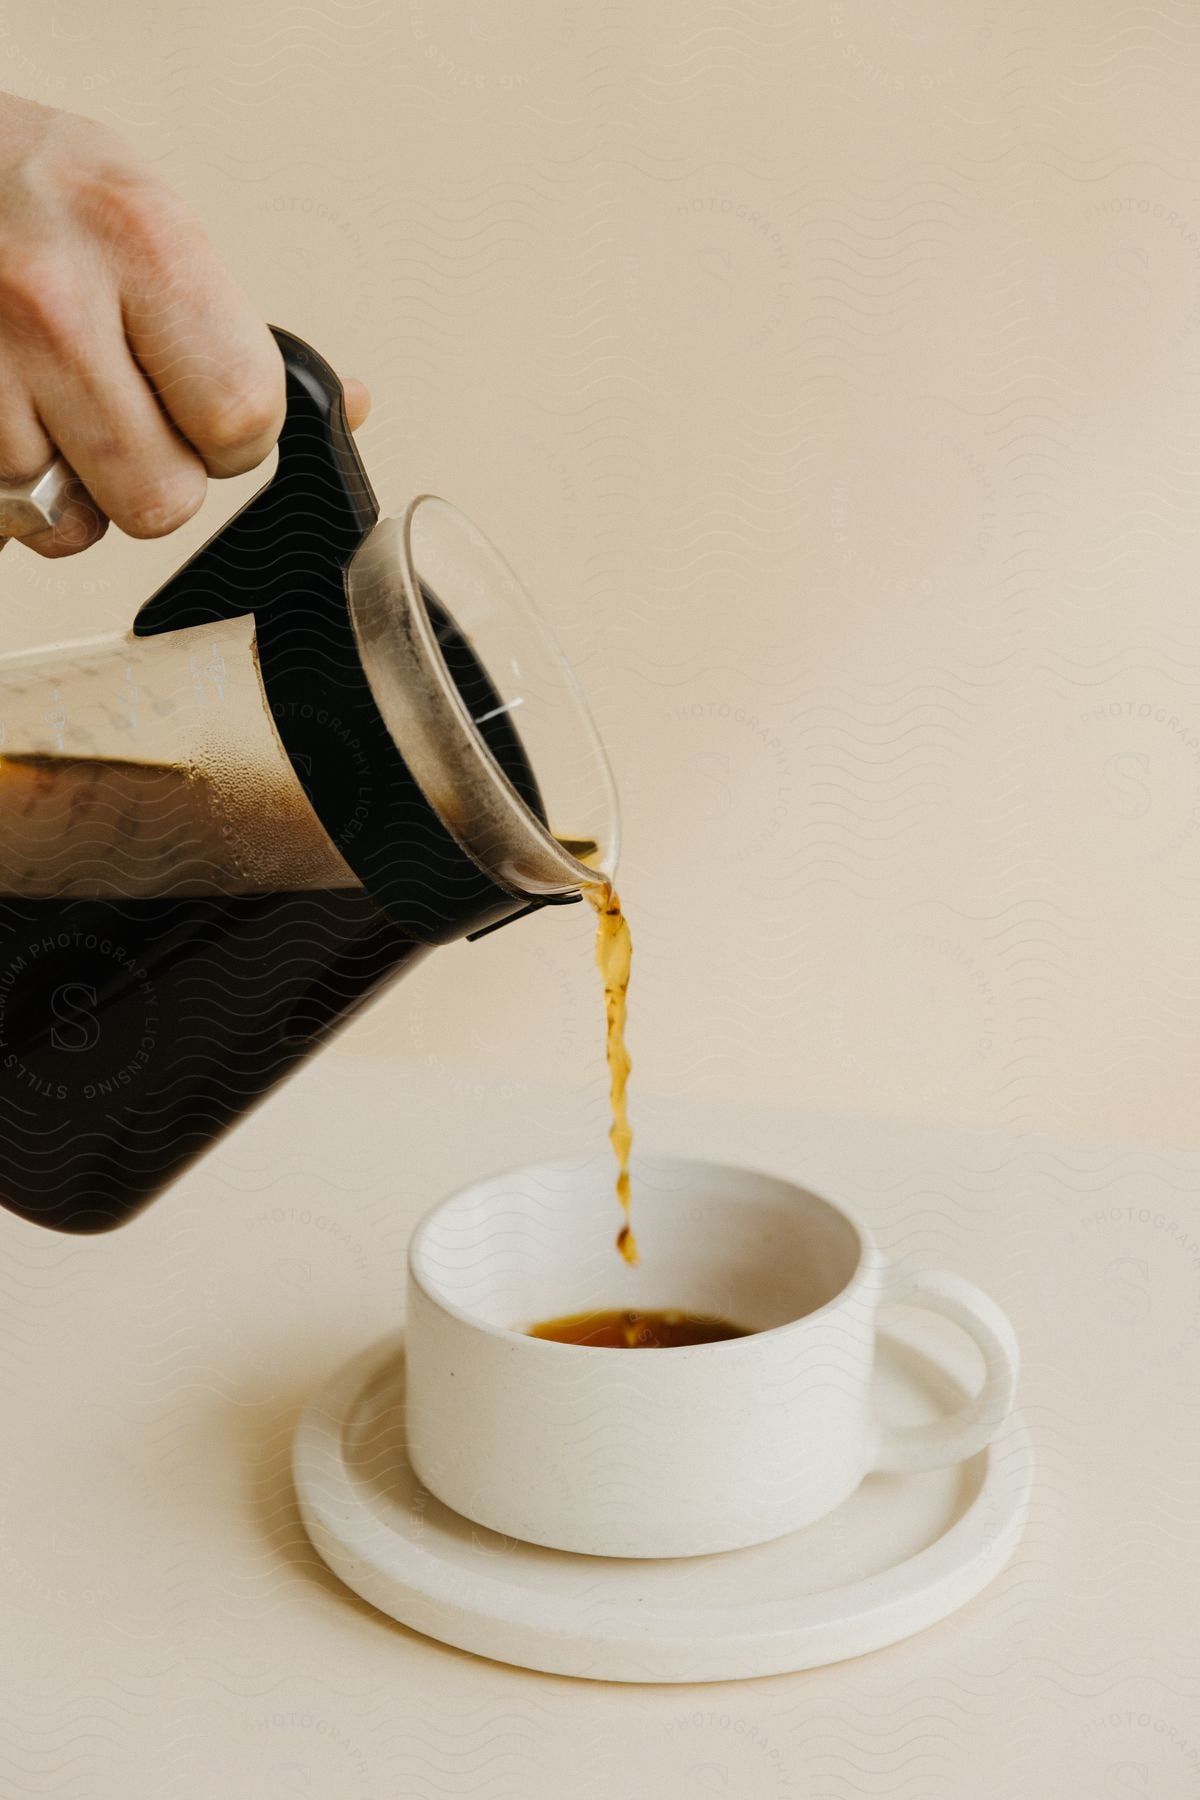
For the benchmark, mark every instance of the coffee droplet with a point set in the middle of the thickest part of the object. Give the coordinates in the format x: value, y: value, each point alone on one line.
x: 614, y: 953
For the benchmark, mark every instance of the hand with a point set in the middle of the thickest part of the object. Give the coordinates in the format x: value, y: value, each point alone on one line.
x: 125, y: 343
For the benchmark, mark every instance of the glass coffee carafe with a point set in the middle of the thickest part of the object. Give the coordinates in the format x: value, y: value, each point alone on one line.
x: 311, y: 759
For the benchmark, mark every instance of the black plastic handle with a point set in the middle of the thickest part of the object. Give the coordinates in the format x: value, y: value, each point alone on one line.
x: 319, y: 500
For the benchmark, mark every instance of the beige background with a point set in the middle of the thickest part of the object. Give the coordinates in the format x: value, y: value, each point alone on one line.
x: 832, y: 374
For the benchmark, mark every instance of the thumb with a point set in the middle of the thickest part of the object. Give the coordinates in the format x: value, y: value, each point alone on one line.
x: 358, y: 401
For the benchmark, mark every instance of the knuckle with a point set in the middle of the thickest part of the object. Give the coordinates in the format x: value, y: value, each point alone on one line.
x: 41, y: 297
x: 133, y: 214
x: 236, y: 425
x: 160, y: 507
x: 22, y: 456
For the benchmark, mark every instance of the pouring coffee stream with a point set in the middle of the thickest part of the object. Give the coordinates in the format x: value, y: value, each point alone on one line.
x: 614, y: 952
x: 224, y: 832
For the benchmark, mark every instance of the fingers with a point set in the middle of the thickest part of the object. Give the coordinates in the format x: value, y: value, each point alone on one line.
x: 80, y: 525
x: 125, y: 344
x: 120, y: 411
x: 203, y: 348
x: 358, y: 401
x: 95, y: 404
x: 24, y: 445
x: 24, y: 449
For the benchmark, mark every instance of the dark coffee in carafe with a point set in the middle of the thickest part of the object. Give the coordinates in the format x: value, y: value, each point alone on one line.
x: 144, y: 1007
x: 153, y: 986
x: 134, y: 1030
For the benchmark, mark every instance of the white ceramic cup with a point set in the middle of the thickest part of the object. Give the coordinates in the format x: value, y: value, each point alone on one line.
x: 666, y: 1452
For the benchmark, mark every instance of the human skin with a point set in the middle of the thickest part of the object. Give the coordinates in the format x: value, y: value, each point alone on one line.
x: 126, y: 346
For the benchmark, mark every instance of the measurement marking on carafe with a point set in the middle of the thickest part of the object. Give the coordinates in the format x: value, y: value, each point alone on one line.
x: 509, y: 706
x: 57, y: 716
x: 132, y: 693
x: 212, y: 672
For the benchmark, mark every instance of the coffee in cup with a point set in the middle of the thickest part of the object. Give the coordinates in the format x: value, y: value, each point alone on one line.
x: 624, y: 1328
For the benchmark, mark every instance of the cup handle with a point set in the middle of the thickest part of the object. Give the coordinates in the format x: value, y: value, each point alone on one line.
x: 907, y: 1449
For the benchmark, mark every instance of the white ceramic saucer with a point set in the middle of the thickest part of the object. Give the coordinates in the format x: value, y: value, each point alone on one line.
x: 901, y: 1553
